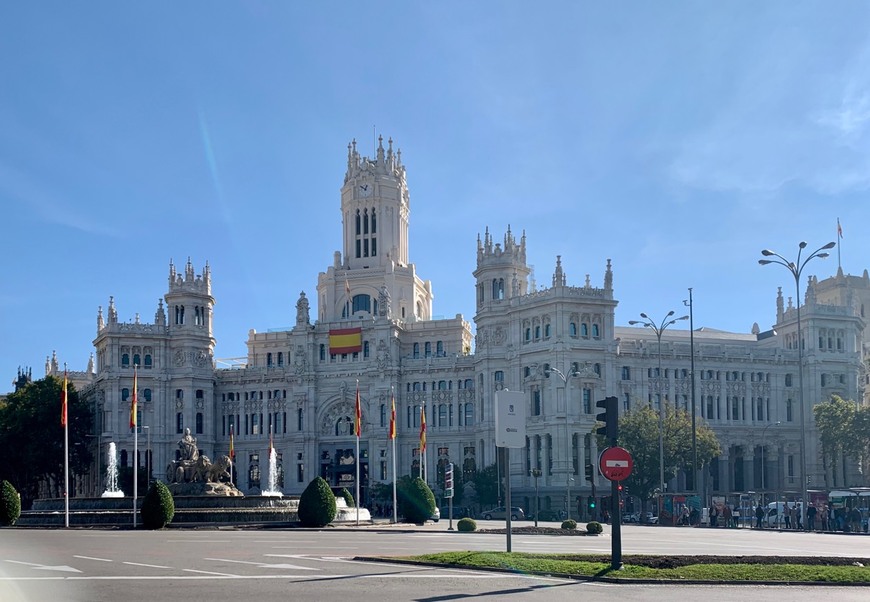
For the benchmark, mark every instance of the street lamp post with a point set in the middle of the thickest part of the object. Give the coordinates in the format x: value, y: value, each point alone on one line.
x: 536, y: 472
x: 695, y: 478
x: 796, y: 268
x: 569, y: 470
x: 763, y: 433
x: 148, y: 454
x: 659, y: 330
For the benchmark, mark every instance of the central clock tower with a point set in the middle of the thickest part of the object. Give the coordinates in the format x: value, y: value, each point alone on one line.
x: 375, y: 209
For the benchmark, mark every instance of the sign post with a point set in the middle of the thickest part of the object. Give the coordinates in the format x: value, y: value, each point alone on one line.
x: 510, y: 431
x: 615, y: 464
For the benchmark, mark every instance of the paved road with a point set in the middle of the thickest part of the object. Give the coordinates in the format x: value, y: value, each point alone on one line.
x: 93, y: 565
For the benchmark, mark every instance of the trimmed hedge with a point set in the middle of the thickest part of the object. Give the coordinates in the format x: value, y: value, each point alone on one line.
x: 594, y: 528
x: 10, y: 504
x: 348, y: 498
x: 415, y: 499
x: 569, y: 524
x: 317, y: 504
x: 158, y: 507
x: 466, y: 524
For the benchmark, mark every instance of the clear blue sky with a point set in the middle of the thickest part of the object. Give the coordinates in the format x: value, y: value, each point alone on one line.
x: 677, y: 139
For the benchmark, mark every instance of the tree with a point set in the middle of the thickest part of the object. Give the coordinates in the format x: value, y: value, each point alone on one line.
x: 486, y: 485
x: 415, y: 499
x: 639, y: 434
x: 844, y: 430
x: 317, y: 504
x: 32, y: 438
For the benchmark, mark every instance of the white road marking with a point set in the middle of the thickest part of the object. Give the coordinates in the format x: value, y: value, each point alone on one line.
x: 151, y: 566
x: 93, y: 558
x: 216, y: 576
x: 210, y: 573
x: 263, y: 565
x: 45, y: 567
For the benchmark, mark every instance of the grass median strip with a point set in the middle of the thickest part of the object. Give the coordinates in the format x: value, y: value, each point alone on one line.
x: 669, y: 568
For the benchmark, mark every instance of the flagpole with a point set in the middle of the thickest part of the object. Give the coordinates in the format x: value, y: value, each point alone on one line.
x: 393, y: 437
x: 135, y: 420
x: 358, y: 428
x: 65, y: 450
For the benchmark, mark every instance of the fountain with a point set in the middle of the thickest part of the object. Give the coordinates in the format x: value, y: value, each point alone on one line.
x: 272, y: 490
x: 112, y: 489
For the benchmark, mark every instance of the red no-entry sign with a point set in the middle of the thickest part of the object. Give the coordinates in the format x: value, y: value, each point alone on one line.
x: 615, y: 463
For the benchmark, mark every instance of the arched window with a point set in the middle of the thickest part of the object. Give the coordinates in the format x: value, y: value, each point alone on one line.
x: 362, y: 303
x: 148, y: 361
x: 146, y: 393
x: 546, y: 331
x: 322, y: 352
x: 427, y: 349
x: 439, y: 348
x: 136, y: 361
x: 365, y: 349
x: 584, y: 330
x: 595, y: 331
x: 125, y: 360
x: 528, y: 334
x: 572, y: 329
x: 537, y: 332
x: 269, y: 359
x: 416, y: 350
x: 125, y: 394
x: 280, y: 358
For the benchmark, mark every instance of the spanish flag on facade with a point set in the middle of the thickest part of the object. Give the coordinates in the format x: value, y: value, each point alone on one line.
x: 345, y: 340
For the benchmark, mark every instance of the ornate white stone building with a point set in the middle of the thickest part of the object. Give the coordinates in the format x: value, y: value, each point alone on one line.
x: 374, y: 327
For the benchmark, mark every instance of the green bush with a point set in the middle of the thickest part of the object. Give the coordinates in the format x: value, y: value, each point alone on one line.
x: 569, y: 524
x: 317, y: 504
x: 158, y: 507
x: 415, y: 499
x: 466, y: 524
x: 594, y: 528
x: 10, y: 504
x: 348, y: 497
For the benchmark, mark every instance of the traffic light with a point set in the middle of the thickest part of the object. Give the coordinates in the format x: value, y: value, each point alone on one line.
x: 589, y: 473
x: 448, y: 480
x: 591, y: 502
x: 610, y: 418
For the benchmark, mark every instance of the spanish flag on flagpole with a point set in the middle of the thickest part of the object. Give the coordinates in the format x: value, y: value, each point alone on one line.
x: 232, y: 447
x: 133, y: 405
x: 63, y: 400
x: 393, y: 416
x: 357, y: 423
x: 422, y: 429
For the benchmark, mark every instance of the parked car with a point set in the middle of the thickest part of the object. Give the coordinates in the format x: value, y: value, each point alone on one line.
x: 547, y: 515
x: 500, y: 512
x: 436, y: 515
x: 635, y: 517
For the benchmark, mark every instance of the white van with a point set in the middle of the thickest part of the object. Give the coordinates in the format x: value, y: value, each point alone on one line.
x: 775, y: 516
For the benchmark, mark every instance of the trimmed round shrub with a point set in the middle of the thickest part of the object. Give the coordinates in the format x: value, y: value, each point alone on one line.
x: 158, y: 507
x: 569, y: 524
x: 317, y: 504
x: 466, y: 524
x: 594, y: 528
x: 415, y: 499
x: 348, y: 497
x: 10, y: 504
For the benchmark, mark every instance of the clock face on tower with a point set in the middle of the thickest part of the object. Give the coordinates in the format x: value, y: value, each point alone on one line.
x: 365, y: 190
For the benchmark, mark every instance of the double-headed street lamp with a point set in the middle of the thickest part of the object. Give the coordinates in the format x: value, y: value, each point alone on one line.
x: 569, y: 455
x: 659, y: 329
x: 796, y: 268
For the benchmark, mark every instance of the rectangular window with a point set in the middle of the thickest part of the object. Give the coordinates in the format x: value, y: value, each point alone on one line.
x: 299, y: 422
x: 179, y: 422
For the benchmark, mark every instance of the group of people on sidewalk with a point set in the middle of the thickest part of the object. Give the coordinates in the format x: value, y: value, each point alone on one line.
x: 822, y: 517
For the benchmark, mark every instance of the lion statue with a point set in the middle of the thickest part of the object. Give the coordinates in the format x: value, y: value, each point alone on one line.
x: 208, y: 472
